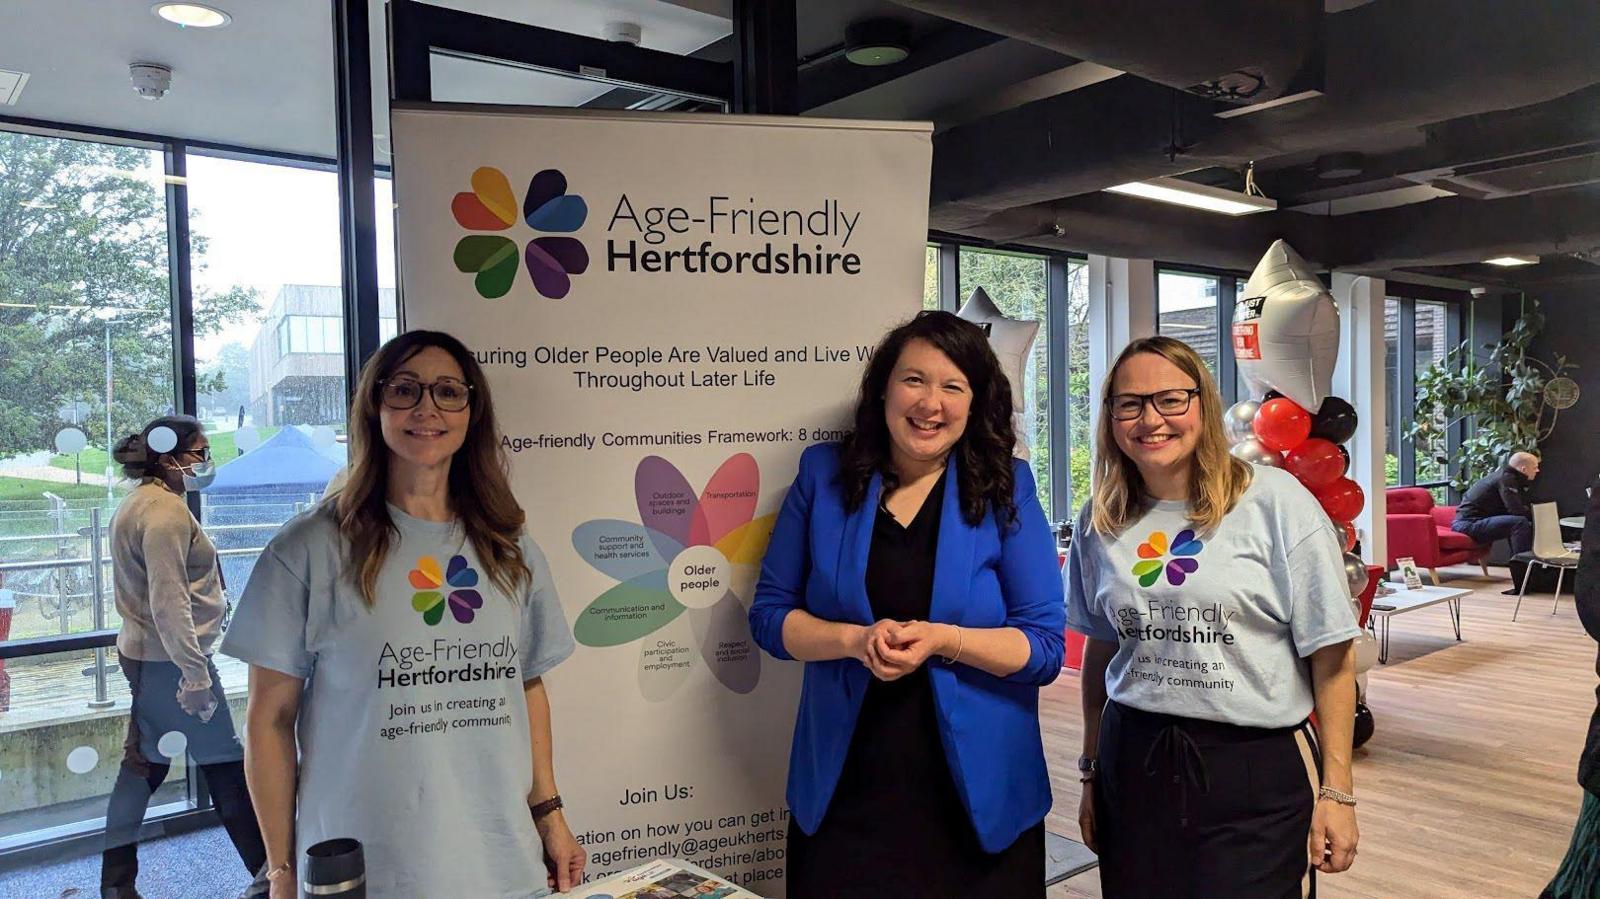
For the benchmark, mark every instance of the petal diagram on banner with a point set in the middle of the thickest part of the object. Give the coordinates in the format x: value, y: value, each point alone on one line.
x: 666, y: 659
x: 723, y: 631
x: 728, y: 501
x: 746, y: 544
x: 622, y: 550
x: 666, y: 502
x: 493, y: 258
x: 627, y: 611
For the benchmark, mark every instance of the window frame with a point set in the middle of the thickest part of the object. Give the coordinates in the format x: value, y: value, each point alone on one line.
x: 1058, y: 269
x: 1407, y: 296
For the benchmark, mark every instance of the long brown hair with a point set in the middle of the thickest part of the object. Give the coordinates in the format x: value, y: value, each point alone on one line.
x: 480, y: 488
x: 1216, y: 479
x: 984, y: 450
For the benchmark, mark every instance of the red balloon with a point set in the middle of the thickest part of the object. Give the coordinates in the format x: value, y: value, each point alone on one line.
x: 1347, y: 533
x: 1282, y: 424
x: 1316, y: 462
x: 1342, y: 499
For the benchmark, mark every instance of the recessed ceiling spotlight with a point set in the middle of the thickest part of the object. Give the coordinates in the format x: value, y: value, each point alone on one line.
x: 877, y: 42
x: 192, y: 15
x: 1509, y: 260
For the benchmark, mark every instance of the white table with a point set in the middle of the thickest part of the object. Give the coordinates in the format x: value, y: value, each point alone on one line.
x: 1402, y: 601
x: 1573, y: 521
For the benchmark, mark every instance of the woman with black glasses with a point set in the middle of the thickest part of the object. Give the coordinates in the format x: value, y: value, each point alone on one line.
x: 169, y: 594
x: 1218, y: 615
x: 397, y: 636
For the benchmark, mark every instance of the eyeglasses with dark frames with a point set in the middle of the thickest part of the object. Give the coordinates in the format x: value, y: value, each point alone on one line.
x: 449, y: 395
x: 1167, y: 403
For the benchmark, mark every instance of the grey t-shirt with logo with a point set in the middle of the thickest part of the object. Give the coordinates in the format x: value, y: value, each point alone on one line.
x: 413, y: 727
x: 1215, y: 626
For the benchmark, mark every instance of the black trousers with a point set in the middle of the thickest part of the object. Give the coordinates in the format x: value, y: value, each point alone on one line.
x: 215, y: 750
x: 1191, y: 809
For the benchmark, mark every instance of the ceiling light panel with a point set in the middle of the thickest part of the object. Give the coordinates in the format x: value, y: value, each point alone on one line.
x: 1196, y: 196
x: 192, y: 15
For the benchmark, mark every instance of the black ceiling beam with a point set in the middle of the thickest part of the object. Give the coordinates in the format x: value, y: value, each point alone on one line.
x: 833, y: 77
x: 1444, y: 232
x: 419, y: 29
x: 1565, y: 122
x: 765, y: 41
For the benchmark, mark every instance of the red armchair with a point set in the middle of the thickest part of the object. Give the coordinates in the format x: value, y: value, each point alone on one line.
x: 1421, y: 530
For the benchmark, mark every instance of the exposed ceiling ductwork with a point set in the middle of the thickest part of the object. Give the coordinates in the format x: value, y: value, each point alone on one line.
x: 1244, y: 51
x: 1443, y: 232
x: 1389, y: 65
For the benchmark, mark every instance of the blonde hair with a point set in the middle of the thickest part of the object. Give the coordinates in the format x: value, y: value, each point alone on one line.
x: 1216, y: 478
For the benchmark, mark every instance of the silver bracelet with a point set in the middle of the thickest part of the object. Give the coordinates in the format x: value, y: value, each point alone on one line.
x: 961, y: 643
x: 1336, y: 796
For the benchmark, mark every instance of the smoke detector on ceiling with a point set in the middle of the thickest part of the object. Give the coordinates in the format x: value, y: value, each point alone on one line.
x: 624, y: 33
x: 151, y: 80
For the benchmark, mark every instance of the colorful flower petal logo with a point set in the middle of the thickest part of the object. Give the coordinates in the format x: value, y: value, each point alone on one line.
x: 1154, y: 548
x: 695, y: 553
x: 491, y: 206
x: 451, y: 587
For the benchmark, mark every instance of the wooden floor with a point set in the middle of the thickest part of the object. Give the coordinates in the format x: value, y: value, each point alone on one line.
x: 1468, y: 787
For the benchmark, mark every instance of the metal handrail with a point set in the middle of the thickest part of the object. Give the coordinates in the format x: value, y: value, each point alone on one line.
x: 46, y: 564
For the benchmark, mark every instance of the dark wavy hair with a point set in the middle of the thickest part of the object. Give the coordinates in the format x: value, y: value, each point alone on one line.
x: 983, y: 453
x: 480, y: 488
x: 133, y: 451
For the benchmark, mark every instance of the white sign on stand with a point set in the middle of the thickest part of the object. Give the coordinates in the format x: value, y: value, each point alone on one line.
x: 669, y: 308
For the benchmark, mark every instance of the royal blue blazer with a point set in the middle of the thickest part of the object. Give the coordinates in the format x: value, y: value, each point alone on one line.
x: 985, y: 576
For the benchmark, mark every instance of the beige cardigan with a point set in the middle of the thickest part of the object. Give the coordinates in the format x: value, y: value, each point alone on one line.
x: 168, y: 588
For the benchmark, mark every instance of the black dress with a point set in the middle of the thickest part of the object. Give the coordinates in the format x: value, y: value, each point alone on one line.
x: 895, y: 825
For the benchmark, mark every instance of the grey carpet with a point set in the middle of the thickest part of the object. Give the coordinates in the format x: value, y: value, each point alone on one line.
x: 196, y: 865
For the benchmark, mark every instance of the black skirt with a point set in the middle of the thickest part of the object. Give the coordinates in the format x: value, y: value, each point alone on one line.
x: 896, y: 825
x: 1192, y: 809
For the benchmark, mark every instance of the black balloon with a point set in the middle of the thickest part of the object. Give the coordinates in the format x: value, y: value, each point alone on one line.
x: 1271, y: 395
x: 1335, y: 421
x: 1346, y: 454
x: 1364, y: 725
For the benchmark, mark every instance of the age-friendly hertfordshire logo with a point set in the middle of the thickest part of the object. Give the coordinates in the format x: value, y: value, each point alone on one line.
x: 451, y: 587
x: 492, y: 258
x: 1153, y: 552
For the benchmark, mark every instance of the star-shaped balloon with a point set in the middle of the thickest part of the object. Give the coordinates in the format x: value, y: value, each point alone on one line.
x: 1012, y: 342
x: 1286, y: 329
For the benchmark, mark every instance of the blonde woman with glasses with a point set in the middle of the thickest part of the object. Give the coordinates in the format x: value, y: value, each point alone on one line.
x: 1213, y: 596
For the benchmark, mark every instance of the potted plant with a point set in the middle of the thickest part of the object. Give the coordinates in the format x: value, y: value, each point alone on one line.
x: 1503, y: 394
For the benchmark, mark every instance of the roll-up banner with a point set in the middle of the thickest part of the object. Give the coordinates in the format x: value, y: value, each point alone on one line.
x: 669, y: 308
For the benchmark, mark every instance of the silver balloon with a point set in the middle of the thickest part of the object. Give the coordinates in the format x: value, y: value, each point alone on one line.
x: 1355, y: 572
x: 1240, y: 419
x: 1257, y: 453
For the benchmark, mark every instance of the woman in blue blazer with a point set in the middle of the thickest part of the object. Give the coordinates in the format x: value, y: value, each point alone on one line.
x: 912, y: 570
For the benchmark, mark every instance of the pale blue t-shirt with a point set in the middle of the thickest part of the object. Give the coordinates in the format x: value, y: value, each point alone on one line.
x: 1215, y: 626
x: 413, y: 727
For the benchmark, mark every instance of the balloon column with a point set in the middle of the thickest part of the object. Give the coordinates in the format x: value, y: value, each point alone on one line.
x: 1285, y: 341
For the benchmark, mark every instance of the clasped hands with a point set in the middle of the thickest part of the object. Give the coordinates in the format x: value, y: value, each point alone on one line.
x: 893, y: 649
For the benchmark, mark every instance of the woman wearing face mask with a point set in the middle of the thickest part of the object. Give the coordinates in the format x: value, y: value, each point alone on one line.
x: 912, y: 570
x: 1214, y: 598
x: 397, y: 636
x: 169, y: 594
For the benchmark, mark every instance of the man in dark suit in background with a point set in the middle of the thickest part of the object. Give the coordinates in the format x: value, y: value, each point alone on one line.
x: 1579, y: 875
x: 1497, y: 506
